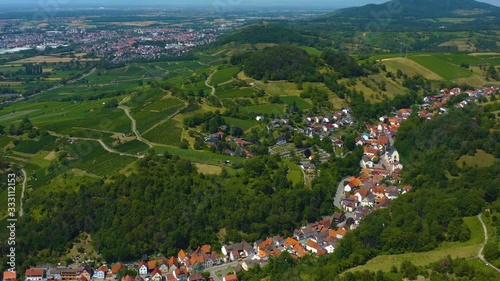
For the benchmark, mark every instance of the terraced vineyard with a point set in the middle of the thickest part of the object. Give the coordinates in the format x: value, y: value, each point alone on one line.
x: 167, y: 133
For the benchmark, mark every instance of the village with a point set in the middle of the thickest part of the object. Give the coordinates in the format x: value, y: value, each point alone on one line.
x: 378, y: 183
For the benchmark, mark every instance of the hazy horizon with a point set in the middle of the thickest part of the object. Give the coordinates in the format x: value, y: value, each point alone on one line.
x: 333, y: 4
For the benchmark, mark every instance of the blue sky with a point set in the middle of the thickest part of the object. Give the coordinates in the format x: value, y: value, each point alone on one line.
x: 233, y: 3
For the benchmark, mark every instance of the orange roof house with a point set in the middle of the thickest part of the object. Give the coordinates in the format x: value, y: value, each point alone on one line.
x: 182, y: 255
x: 266, y: 243
x: 128, y: 278
x: 301, y: 252
x: 230, y: 277
x: 153, y: 264
x: 172, y: 261
x: 9, y: 275
x: 34, y: 272
x: 103, y: 268
x: 207, y: 249
x: 115, y: 268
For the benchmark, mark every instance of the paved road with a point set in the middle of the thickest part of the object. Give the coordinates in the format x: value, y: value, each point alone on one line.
x: 25, y: 179
x: 480, y: 253
x: 225, y: 266
x: 339, y: 194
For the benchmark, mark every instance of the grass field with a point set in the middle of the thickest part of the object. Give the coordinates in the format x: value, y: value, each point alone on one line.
x: 92, y: 158
x: 30, y: 146
x: 4, y: 140
x: 480, y: 159
x: 224, y: 75
x: 235, y: 93
x: 466, y: 249
x: 51, y: 59
x: 410, y: 68
x: 162, y: 104
x: 267, y: 109
x: 299, y: 102
x: 313, y: 51
x: 294, y: 173
x: 168, y: 133
x: 11, y: 115
x: 132, y: 147
x: 279, y: 88
x: 460, y: 58
x: 443, y: 68
x: 204, y: 157
x: 147, y: 119
x: 208, y: 169
x: 241, y: 123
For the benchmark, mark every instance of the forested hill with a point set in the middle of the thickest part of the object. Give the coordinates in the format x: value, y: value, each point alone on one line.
x: 288, y: 62
x: 167, y: 205
x: 280, y: 63
x: 420, y: 9
x: 267, y: 34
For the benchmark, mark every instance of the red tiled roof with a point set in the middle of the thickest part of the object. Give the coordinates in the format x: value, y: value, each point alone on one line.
x: 115, y: 268
x: 231, y: 277
x: 156, y: 271
x: 206, y: 249
x: 34, y: 272
x: 9, y: 275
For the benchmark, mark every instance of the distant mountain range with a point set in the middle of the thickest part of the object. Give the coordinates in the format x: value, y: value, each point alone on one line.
x: 421, y: 9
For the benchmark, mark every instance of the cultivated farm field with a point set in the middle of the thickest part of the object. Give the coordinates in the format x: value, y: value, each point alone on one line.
x: 224, y: 75
x: 167, y: 133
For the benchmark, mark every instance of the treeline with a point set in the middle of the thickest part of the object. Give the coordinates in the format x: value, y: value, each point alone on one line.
x: 31, y: 69
x: 431, y: 213
x: 292, y: 63
x: 343, y: 64
x: 268, y: 34
x: 364, y: 111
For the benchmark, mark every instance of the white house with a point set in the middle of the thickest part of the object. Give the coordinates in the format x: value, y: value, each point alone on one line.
x: 143, y: 269
x: 100, y: 273
x: 312, y: 246
x: 329, y: 248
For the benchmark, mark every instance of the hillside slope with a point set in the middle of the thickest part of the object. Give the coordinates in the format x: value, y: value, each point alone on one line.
x: 420, y: 9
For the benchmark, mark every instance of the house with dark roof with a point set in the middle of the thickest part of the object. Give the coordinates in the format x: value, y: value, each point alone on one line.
x: 196, y: 277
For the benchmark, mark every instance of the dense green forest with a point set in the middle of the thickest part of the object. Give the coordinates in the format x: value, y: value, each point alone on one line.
x: 167, y: 205
x: 272, y: 33
x: 432, y: 212
x: 287, y: 62
x: 280, y: 63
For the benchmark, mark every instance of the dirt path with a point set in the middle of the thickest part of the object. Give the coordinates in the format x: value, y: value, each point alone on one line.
x: 25, y: 179
x: 104, y: 145
x: 480, y: 253
x: 208, y: 81
x: 134, y: 123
